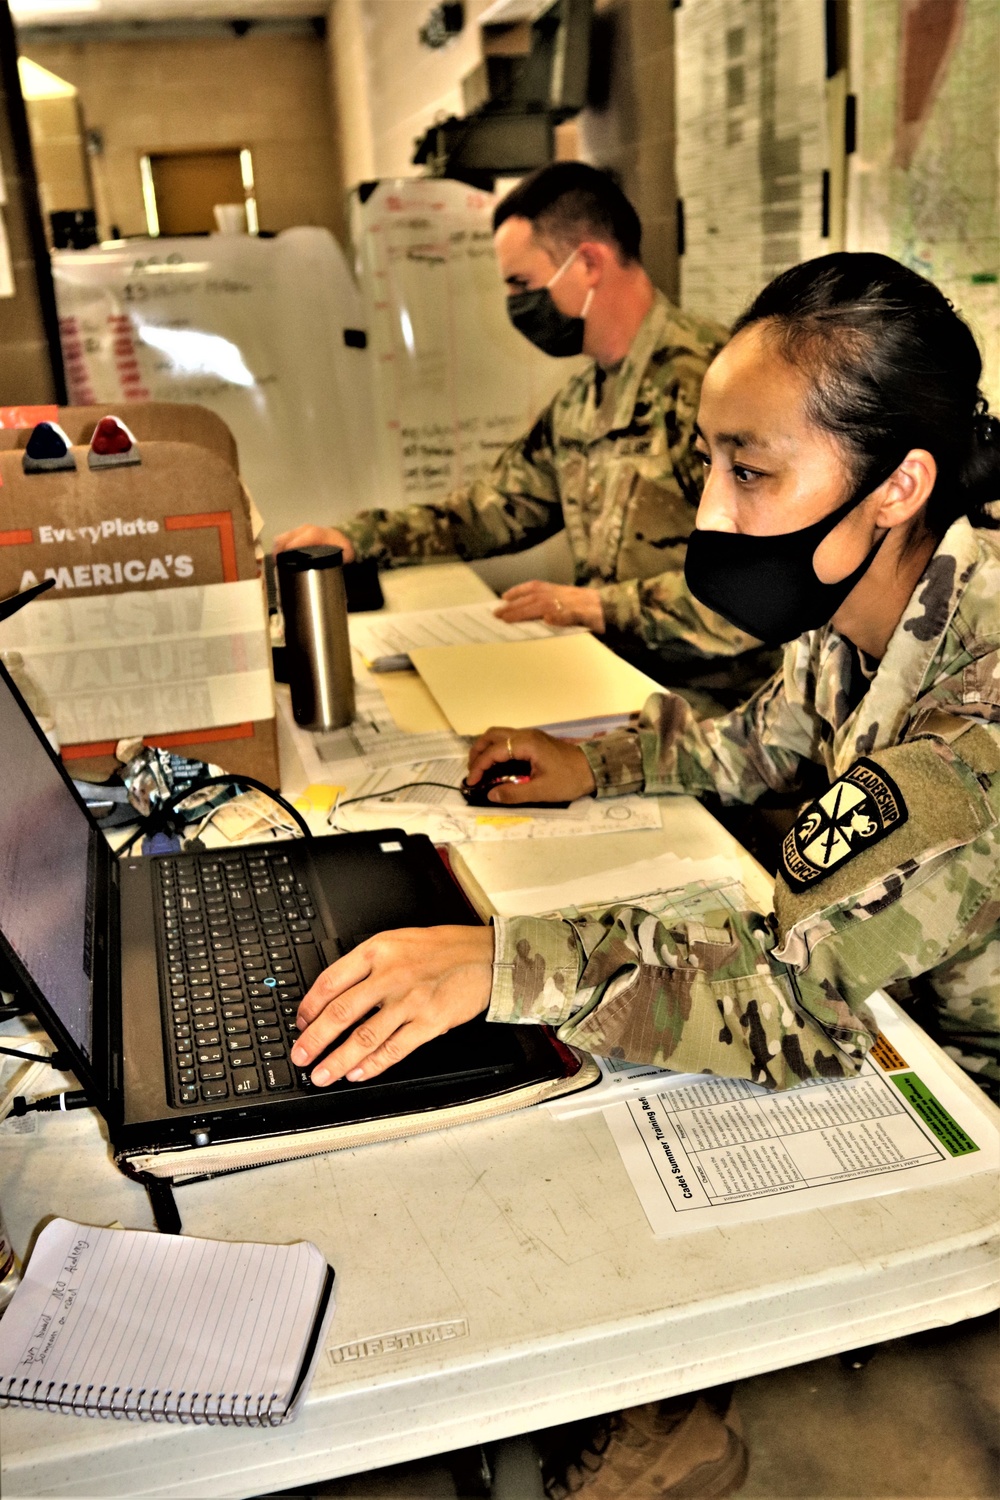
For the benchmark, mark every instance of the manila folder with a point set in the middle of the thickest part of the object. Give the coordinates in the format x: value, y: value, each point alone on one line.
x: 523, y: 683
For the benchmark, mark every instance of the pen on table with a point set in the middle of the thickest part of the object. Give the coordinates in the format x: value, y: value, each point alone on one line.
x: 400, y: 662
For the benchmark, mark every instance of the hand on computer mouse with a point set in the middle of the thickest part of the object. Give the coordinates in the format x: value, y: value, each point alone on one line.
x: 560, y: 772
x: 501, y: 772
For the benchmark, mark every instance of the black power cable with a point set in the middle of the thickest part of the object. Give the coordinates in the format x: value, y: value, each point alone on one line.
x: 70, y: 1099
x: 367, y: 796
x: 53, y: 1059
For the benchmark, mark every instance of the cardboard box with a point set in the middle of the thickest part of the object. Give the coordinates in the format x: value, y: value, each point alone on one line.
x: 148, y: 421
x: 157, y: 624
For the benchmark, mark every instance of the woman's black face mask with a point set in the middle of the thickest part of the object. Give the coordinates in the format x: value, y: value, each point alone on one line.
x: 767, y: 585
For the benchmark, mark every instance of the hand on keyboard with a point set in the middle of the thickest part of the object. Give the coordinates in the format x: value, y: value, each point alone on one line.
x: 411, y: 985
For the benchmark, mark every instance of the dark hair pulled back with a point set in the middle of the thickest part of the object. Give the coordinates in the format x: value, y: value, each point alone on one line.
x: 893, y: 367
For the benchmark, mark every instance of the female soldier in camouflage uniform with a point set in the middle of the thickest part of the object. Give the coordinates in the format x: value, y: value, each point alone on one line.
x: 850, y: 462
x: 851, y: 458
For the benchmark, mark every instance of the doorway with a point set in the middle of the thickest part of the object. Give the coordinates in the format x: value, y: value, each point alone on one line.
x: 185, y: 186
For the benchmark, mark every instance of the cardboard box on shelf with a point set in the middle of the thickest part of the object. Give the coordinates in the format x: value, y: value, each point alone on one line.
x: 157, y: 624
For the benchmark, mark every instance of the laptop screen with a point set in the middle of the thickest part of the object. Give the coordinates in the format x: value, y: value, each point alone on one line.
x: 44, y: 863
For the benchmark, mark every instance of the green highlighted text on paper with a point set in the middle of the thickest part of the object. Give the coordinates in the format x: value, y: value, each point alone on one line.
x: 934, y: 1115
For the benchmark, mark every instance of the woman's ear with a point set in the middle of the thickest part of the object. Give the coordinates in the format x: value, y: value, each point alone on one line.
x: 907, y: 490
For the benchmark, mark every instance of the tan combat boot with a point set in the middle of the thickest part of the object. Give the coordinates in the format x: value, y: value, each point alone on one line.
x: 688, y: 1448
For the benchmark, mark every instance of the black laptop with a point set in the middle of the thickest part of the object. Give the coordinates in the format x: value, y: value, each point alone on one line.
x: 171, y: 983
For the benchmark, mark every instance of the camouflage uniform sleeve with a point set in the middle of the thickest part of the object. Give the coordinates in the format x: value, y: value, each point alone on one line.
x: 757, y: 748
x: 906, y: 886
x: 514, y: 506
x: 701, y: 996
x: 917, y: 913
x: 665, y: 616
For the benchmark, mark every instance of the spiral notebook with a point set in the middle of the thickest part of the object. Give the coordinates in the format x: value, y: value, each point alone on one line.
x: 125, y: 1323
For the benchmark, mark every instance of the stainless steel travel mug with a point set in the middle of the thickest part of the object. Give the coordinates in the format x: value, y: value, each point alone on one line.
x: 317, y: 648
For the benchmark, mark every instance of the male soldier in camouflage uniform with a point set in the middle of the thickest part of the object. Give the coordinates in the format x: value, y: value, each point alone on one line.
x: 610, y: 459
x: 891, y: 880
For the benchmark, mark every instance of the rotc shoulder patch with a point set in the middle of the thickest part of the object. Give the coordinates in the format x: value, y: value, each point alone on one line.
x: 859, y: 810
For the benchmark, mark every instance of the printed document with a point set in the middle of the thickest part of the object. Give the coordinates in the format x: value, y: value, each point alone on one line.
x: 706, y: 1152
x: 458, y: 625
x: 390, y: 800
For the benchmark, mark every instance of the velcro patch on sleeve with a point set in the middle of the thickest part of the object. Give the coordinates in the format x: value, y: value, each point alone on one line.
x: 859, y: 810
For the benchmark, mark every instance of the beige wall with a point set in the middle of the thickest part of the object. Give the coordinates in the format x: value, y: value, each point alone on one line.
x: 26, y: 376
x: 60, y: 159
x: 388, y: 86
x: 267, y: 92
x: 388, y: 89
x: 350, y: 98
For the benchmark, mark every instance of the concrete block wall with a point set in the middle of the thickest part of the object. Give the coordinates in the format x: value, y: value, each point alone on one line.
x: 60, y: 159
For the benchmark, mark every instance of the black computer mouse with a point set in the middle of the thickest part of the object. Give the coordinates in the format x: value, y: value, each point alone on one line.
x: 514, y: 771
x: 509, y: 772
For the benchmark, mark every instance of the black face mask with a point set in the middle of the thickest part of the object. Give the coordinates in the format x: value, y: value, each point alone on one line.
x: 767, y: 585
x: 535, y: 315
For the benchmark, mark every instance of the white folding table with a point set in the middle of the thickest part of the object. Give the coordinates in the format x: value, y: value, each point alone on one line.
x: 498, y: 1277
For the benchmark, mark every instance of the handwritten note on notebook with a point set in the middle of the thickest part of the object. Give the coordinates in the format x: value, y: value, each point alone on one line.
x: 127, y: 1323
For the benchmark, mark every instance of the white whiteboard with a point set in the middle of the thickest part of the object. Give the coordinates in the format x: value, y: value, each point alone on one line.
x: 253, y: 329
x: 454, y: 382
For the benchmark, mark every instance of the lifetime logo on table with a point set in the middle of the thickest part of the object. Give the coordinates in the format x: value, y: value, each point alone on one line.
x: 858, y: 811
x: 402, y: 1339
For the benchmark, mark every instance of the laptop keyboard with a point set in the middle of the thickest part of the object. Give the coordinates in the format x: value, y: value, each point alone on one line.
x: 240, y: 951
